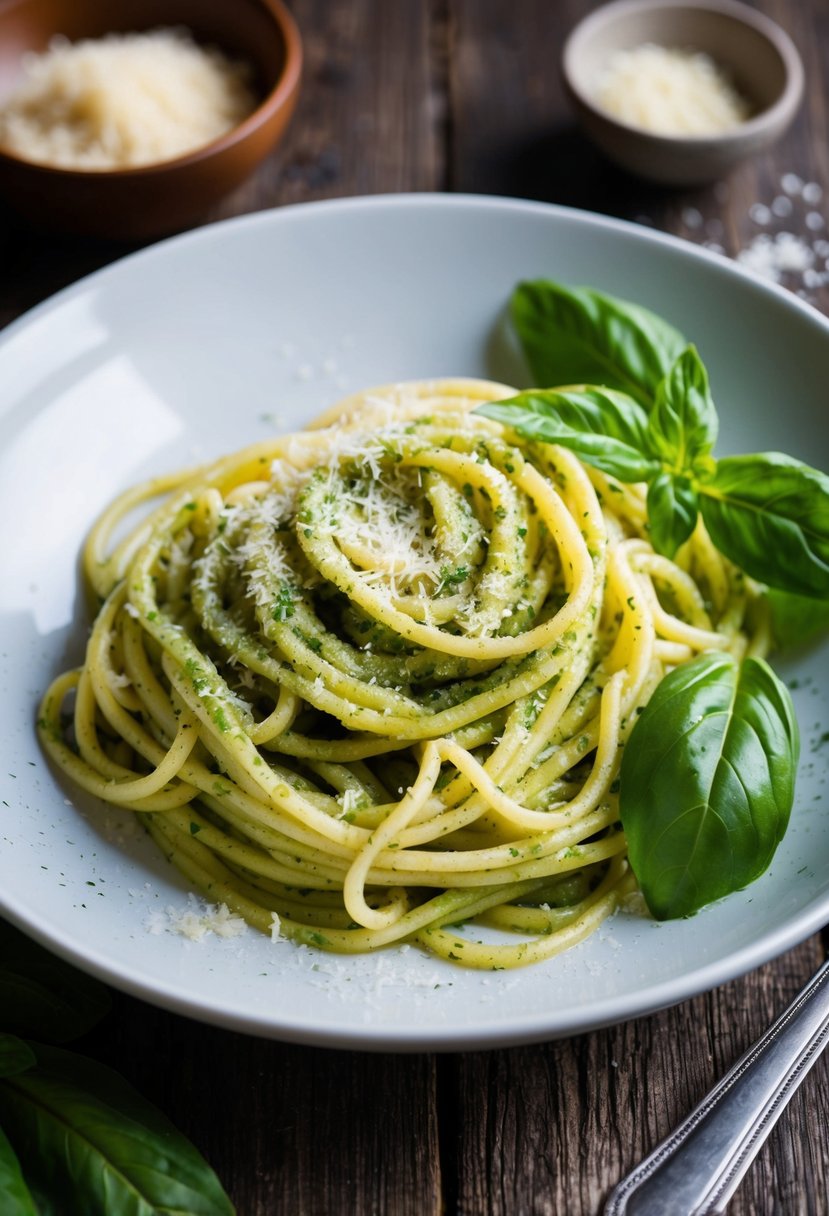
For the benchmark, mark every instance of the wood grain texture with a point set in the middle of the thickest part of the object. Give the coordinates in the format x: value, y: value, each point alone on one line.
x: 466, y: 95
x: 289, y: 1129
x: 558, y: 1125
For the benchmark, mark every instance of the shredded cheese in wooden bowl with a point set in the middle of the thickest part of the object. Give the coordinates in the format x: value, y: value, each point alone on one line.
x: 124, y: 100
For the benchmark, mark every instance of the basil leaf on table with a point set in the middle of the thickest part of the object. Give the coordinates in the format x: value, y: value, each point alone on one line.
x: 707, y: 782
x: 683, y: 424
x: 83, y: 1133
x: 41, y: 996
x: 574, y: 335
x: 672, y: 512
x: 15, y: 1056
x: 16, y: 1196
x: 606, y: 429
x: 770, y: 515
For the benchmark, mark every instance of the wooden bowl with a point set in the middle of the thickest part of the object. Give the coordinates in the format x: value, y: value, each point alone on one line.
x: 152, y: 200
x: 760, y: 58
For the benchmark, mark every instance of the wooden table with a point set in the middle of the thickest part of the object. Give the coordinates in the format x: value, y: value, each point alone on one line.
x: 465, y: 95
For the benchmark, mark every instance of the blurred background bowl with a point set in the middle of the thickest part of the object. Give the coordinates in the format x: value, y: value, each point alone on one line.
x: 757, y: 55
x: 152, y: 200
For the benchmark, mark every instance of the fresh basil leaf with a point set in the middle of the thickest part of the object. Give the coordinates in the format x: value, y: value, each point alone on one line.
x: 707, y: 782
x: 672, y: 512
x: 16, y: 1196
x: 606, y: 429
x: 770, y: 515
x: 796, y: 618
x: 83, y: 1133
x: 574, y: 335
x: 43, y: 997
x: 15, y: 1055
x: 683, y: 423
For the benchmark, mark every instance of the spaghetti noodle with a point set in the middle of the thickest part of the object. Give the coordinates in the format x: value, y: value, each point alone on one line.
x: 370, y: 683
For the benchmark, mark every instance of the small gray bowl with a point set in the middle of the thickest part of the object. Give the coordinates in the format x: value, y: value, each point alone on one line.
x: 759, y: 57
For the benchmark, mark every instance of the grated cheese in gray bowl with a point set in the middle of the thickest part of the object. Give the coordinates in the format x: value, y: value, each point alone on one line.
x: 670, y: 91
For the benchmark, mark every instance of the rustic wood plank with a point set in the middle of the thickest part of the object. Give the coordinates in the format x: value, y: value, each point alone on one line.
x: 287, y: 1128
x: 551, y: 1128
x: 369, y: 116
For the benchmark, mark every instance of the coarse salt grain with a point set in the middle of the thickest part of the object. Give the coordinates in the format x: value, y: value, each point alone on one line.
x: 773, y: 256
x: 782, y: 206
x: 784, y: 257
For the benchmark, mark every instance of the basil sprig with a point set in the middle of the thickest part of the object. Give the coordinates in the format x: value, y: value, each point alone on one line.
x: 74, y: 1135
x: 708, y: 772
x: 650, y: 417
x: 707, y: 781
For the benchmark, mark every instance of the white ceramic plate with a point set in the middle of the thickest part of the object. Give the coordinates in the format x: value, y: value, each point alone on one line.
x: 206, y: 342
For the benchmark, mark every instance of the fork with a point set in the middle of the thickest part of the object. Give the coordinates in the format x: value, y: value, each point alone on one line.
x: 697, y: 1169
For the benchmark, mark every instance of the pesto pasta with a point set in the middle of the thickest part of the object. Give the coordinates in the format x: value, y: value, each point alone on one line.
x: 370, y: 683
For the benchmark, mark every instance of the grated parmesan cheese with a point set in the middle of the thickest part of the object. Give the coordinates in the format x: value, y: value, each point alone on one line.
x: 197, y: 921
x: 123, y: 100
x: 670, y: 91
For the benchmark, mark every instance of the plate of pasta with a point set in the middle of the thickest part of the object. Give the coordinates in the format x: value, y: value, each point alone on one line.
x: 414, y: 622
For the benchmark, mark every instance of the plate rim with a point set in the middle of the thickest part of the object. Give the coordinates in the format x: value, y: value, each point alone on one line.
x: 275, y: 214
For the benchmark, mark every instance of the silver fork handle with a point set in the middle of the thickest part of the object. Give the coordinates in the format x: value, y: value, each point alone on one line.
x: 699, y: 1167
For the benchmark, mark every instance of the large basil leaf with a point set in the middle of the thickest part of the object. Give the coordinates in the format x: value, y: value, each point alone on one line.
x: 16, y: 1196
x: 82, y: 1133
x: 707, y: 782
x: 43, y: 997
x: 672, y: 512
x: 15, y: 1055
x: 606, y: 429
x: 574, y: 335
x: 683, y: 423
x: 770, y: 515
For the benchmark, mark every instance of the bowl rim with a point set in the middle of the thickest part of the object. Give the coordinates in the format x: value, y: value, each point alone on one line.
x: 779, y: 112
x: 279, y: 96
